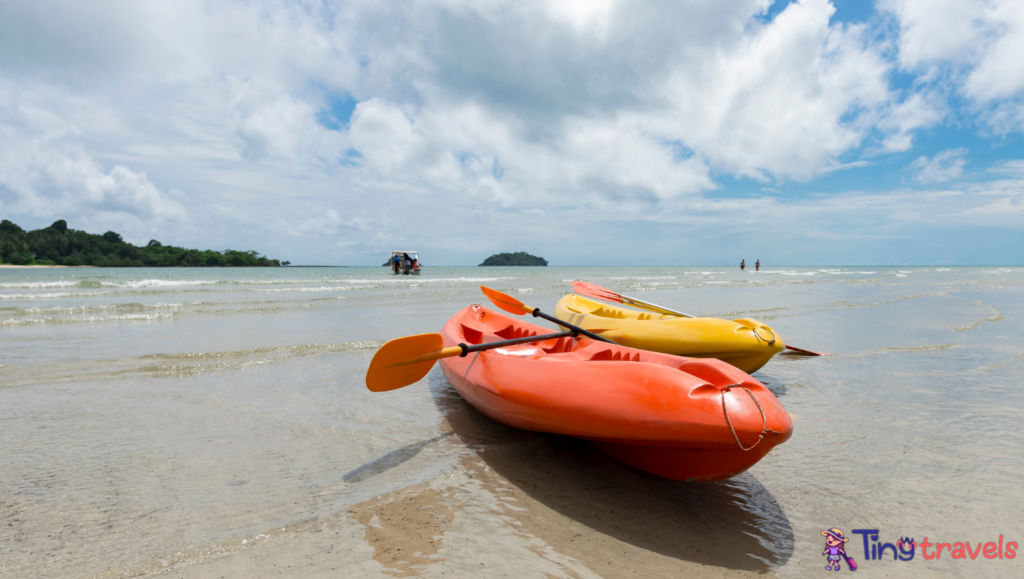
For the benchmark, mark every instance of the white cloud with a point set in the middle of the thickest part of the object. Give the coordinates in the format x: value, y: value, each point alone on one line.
x: 786, y: 100
x: 482, y: 118
x: 273, y: 125
x: 980, y: 43
x: 919, y: 110
x: 932, y: 30
x: 1000, y: 72
x: 943, y: 166
x: 508, y: 99
x: 328, y: 223
x: 45, y: 171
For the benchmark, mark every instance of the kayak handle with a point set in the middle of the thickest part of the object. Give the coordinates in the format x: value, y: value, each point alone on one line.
x: 764, y: 419
x: 770, y: 342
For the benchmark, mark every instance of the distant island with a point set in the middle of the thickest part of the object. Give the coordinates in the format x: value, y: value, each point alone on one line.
x: 518, y: 258
x: 58, y: 245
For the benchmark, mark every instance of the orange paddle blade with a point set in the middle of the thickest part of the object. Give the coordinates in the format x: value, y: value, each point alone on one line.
x: 506, y: 302
x: 405, y: 361
x: 595, y: 291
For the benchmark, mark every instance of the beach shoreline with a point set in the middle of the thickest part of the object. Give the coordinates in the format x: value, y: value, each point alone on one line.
x: 10, y: 266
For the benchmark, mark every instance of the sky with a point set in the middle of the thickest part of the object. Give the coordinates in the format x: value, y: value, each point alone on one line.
x: 588, y: 132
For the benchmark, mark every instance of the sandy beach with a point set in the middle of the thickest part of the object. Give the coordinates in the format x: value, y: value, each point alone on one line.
x: 214, y: 423
x: 523, y: 505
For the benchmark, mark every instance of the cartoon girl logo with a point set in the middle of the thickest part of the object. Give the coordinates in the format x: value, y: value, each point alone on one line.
x: 834, y: 550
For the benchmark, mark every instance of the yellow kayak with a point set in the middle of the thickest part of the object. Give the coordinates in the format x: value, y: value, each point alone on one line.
x: 745, y: 343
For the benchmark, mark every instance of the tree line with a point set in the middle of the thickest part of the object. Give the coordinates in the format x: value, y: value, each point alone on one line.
x: 58, y: 245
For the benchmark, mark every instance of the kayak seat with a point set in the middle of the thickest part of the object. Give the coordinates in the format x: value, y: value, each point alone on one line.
x: 471, y: 335
x: 609, y: 356
x: 512, y: 332
x: 609, y: 313
x: 562, y: 345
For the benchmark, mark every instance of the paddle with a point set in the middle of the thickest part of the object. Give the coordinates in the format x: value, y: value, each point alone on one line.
x: 404, y: 361
x: 514, y: 306
x: 602, y: 293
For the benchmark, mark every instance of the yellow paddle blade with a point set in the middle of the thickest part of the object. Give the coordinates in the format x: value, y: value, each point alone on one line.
x: 405, y: 361
x: 506, y: 302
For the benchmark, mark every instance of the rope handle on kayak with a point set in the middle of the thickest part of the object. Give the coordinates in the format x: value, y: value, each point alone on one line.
x: 770, y: 342
x: 764, y: 419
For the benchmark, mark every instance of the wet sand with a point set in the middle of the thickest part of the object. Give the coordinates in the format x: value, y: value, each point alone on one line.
x: 517, y: 504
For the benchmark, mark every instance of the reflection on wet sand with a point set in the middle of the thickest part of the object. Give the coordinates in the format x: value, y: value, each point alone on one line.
x: 614, y: 519
x: 772, y: 383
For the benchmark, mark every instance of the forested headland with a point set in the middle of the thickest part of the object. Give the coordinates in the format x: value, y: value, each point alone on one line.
x: 58, y: 245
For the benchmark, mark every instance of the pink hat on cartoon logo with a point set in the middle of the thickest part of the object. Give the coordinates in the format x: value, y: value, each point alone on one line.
x: 835, y: 533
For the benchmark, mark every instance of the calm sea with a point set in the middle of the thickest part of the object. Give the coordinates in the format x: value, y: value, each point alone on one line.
x: 146, y: 411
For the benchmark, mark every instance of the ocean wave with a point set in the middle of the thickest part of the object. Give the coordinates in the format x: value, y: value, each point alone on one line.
x: 152, y: 283
x: 316, y: 289
x: 921, y: 348
x: 299, y: 349
x: 88, y: 320
x: 645, y: 278
x: 892, y: 301
x: 131, y: 307
x: 159, y: 283
x: 760, y: 311
x: 783, y: 272
x: 420, y: 279
x: 45, y: 296
x: 996, y: 316
x: 39, y: 284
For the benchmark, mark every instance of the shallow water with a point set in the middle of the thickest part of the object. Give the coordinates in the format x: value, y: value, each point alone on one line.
x: 149, y: 411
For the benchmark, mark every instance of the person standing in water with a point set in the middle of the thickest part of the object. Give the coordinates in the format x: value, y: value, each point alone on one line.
x: 743, y: 264
x: 757, y: 265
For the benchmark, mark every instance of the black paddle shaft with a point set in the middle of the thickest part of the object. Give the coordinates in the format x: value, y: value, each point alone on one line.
x: 524, y: 340
x: 539, y: 314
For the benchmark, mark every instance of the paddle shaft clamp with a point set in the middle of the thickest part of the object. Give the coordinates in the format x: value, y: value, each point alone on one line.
x: 466, y: 350
x: 539, y: 314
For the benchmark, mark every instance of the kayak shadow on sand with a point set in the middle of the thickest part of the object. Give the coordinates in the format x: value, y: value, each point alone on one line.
x: 775, y: 385
x: 389, y: 461
x: 735, y: 524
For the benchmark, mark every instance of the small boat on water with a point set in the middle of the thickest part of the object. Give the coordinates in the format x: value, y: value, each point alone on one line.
x: 745, y: 343
x: 679, y: 418
x: 404, y: 263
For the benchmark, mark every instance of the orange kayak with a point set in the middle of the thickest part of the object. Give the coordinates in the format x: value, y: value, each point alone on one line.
x: 681, y: 418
